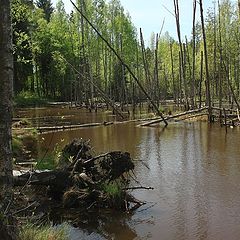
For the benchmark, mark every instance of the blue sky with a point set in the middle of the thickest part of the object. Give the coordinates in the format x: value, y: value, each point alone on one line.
x: 149, y: 15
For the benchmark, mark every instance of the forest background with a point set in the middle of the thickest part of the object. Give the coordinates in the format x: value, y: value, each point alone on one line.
x: 58, y: 56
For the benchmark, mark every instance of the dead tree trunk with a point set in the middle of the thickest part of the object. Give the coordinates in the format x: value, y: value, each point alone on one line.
x: 145, y: 64
x: 208, y: 94
x: 175, y: 92
x: 193, y: 52
x: 221, y: 58
x: 156, y: 75
x: 123, y: 63
x: 201, y: 80
x: 182, y: 66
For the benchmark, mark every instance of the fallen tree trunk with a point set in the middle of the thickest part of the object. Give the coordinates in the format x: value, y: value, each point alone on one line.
x: 83, y: 180
x: 66, y: 127
x: 55, y: 178
x: 173, y: 116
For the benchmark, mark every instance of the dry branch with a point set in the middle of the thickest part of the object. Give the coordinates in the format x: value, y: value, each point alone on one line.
x: 122, y: 62
x: 174, y: 116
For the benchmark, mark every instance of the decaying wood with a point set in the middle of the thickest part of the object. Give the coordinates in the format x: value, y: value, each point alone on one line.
x: 173, y: 116
x: 140, y: 187
x: 79, y: 181
x: 67, y: 127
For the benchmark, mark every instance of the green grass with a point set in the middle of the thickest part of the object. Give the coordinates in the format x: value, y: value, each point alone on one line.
x: 112, y: 189
x: 17, y: 146
x: 48, y: 162
x: 33, y: 232
x: 114, y: 194
x: 26, y: 98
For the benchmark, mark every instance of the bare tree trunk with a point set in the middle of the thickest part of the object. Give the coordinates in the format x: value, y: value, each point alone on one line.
x: 175, y: 93
x: 208, y: 95
x: 6, y: 78
x: 6, y: 91
x: 193, y: 51
x: 230, y: 86
x: 183, y: 73
x: 123, y: 63
x: 215, y: 55
x: 156, y: 75
x: 145, y: 64
x: 221, y: 59
x: 180, y: 78
x: 201, y: 79
x: 190, y: 73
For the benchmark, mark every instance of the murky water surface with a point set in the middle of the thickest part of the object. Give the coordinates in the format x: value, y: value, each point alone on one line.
x: 193, y: 167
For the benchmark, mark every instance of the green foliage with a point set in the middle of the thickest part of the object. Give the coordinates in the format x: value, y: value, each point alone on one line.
x: 114, y: 193
x: 48, y: 162
x: 47, y: 8
x: 21, y: 11
x: 49, y: 46
x: 26, y: 98
x: 33, y: 232
x: 17, y: 146
x: 24, y: 143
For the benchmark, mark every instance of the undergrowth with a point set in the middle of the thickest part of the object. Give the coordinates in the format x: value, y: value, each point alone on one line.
x: 27, y: 98
x: 31, y: 231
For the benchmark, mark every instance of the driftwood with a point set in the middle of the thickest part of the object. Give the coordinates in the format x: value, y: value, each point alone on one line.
x: 57, y: 178
x: 82, y: 180
x: 173, y: 116
x: 67, y: 127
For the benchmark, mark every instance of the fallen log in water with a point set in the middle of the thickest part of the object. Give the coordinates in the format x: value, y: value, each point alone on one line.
x: 173, y: 116
x: 83, y: 180
x: 66, y: 127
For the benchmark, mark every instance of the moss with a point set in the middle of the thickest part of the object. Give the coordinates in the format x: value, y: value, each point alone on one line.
x: 32, y: 232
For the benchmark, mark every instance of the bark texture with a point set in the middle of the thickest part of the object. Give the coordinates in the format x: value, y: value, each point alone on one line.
x: 6, y: 79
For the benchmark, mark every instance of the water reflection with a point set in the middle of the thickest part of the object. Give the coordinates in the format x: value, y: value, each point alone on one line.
x: 194, y: 169
x: 96, y: 225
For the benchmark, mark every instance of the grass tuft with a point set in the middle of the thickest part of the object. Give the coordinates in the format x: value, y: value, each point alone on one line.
x: 33, y: 232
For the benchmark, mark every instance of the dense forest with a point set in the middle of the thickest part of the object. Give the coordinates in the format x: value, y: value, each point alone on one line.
x: 59, y: 56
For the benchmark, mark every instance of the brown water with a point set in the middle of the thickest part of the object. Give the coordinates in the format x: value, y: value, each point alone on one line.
x: 194, y: 169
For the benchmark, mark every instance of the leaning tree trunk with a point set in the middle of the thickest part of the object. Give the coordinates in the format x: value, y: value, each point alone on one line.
x: 6, y: 80
x: 208, y: 95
